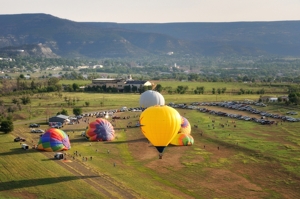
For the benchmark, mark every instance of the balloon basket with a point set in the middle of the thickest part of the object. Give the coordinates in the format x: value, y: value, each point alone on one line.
x: 160, y: 156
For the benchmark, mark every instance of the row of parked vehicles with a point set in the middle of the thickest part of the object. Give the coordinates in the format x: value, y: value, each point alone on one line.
x: 241, y: 106
x: 261, y: 120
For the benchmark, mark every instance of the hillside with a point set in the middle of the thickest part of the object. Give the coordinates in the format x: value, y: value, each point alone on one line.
x: 67, y: 38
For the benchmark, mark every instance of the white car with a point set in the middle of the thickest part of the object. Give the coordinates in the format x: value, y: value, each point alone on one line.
x: 37, y: 131
x: 59, y: 156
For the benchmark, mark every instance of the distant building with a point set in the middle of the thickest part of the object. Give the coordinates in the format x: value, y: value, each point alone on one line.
x: 82, y: 67
x: 120, y: 83
x: 59, y: 118
x: 97, y: 66
x: 273, y: 99
x: 138, y: 83
x: 110, y: 82
x: 284, y: 98
x: 268, y: 99
x: 27, y: 76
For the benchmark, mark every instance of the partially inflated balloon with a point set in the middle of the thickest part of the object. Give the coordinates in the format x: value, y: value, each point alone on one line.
x: 182, y: 139
x: 185, y: 126
x: 54, y: 140
x: 160, y: 124
x: 151, y: 98
x: 100, y: 130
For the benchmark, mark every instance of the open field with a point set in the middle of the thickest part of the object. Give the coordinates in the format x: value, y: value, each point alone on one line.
x: 231, y: 87
x: 246, y: 161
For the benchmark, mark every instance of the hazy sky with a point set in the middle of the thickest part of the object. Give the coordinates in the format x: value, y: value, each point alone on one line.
x: 158, y: 11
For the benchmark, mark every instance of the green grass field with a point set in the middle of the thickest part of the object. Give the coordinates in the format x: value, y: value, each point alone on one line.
x: 253, y: 160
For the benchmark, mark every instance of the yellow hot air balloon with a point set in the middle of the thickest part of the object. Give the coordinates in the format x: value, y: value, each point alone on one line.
x: 160, y: 124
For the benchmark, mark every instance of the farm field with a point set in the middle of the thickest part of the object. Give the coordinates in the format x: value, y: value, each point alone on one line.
x: 246, y: 161
x: 231, y: 87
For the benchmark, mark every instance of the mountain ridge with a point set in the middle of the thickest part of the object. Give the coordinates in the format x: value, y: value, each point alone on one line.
x: 68, y: 38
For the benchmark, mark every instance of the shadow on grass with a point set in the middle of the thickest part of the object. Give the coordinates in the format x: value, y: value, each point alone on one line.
x: 128, y: 141
x: 19, y: 151
x: 78, y: 140
x: 36, y: 182
x: 73, y: 130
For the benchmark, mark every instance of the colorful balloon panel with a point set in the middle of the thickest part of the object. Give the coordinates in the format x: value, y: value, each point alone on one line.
x: 160, y: 124
x: 185, y: 126
x: 100, y: 130
x: 151, y: 98
x: 54, y: 140
x: 182, y: 139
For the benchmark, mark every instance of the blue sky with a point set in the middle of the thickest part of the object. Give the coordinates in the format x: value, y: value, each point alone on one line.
x: 158, y: 11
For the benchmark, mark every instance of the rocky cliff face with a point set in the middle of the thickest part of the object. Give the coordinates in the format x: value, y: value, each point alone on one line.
x: 34, y: 50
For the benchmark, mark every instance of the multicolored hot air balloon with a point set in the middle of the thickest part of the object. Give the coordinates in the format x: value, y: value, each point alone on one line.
x: 182, y: 139
x: 160, y: 124
x: 151, y: 98
x: 185, y: 126
x: 100, y: 130
x: 54, y: 140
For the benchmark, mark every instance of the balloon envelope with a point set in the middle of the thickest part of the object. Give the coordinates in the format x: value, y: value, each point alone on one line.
x: 160, y: 124
x: 185, y: 126
x: 151, y: 98
x: 100, y: 130
x: 182, y: 139
x: 54, y: 140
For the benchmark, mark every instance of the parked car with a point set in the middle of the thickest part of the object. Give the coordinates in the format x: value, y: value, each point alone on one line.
x: 56, y: 126
x: 25, y: 146
x: 59, y: 156
x: 34, y: 125
x: 37, y: 131
x: 18, y: 139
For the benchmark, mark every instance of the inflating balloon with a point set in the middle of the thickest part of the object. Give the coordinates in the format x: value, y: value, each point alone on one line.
x: 185, y: 126
x: 54, y: 140
x: 100, y: 130
x: 151, y: 98
x: 182, y: 139
x: 160, y: 124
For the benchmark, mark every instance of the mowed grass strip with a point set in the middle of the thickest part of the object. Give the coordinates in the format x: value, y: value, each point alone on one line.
x: 30, y: 172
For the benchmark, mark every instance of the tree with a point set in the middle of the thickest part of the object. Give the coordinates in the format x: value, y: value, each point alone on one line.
x: 53, y: 81
x: 294, y: 98
x: 32, y: 85
x: 15, y: 101
x: 223, y: 90
x: 6, y: 126
x: 181, y: 89
x: 77, y: 111
x: 213, y: 91
x: 159, y: 88
x: 64, y: 112
x: 75, y: 86
x: 25, y: 100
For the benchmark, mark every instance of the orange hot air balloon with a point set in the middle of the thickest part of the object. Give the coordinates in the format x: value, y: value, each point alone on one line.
x: 160, y: 124
x: 185, y: 126
x: 182, y: 139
